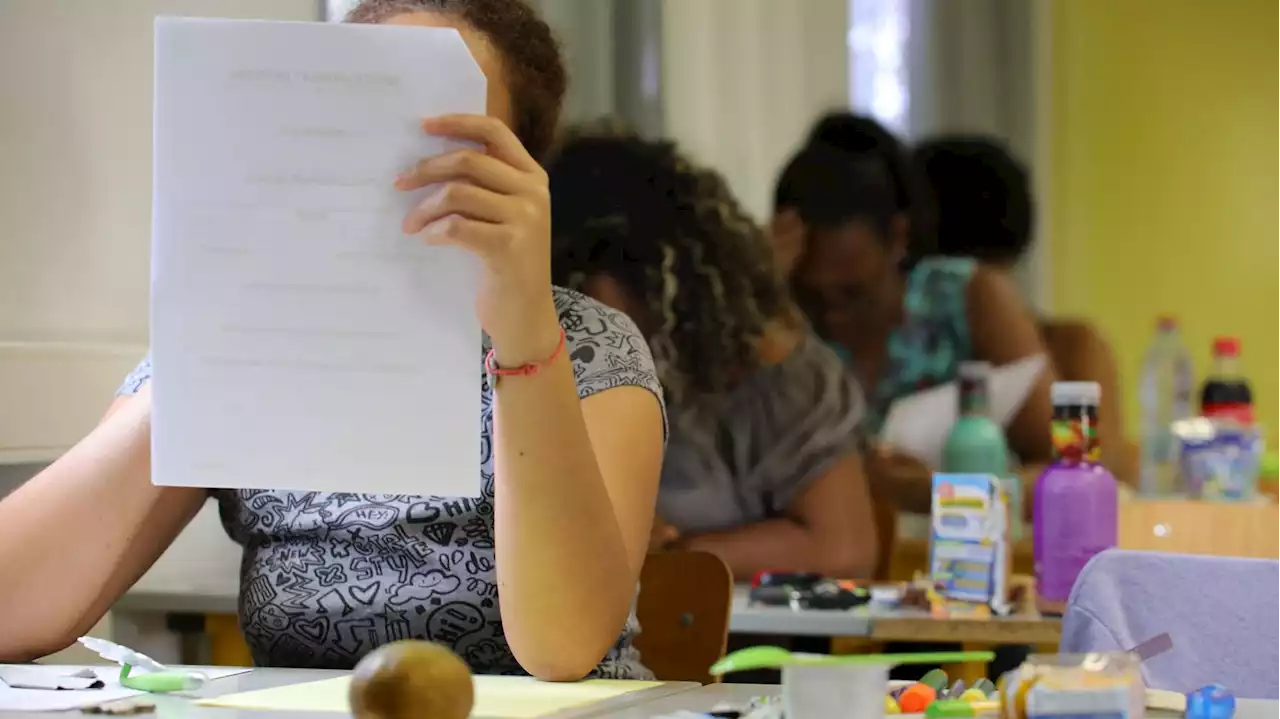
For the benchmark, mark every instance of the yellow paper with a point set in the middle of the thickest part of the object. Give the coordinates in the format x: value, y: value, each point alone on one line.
x: 496, y: 697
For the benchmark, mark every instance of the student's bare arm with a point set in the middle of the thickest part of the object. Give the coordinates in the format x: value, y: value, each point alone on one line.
x: 1003, y: 331
x: 829, y: 528
x: 80, y: 533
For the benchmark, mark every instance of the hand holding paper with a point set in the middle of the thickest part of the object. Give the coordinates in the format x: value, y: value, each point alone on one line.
x: 496, y: 205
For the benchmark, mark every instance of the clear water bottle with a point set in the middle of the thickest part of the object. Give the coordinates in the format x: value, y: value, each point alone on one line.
x: 1165, y: 396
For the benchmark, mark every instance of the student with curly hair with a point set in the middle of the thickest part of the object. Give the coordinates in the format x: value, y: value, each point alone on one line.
x: 762, y: 467
x: 572, y: 440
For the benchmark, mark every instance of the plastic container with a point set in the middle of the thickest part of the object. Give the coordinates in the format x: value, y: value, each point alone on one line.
x: 1075, y: 504
x: 1074, y: 685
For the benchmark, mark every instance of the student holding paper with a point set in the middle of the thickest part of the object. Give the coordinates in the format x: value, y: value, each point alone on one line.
x: 763, y: 467
x: 573, y: 431
x: 853, y: 237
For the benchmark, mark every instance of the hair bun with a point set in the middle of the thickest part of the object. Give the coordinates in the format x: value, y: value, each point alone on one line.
x: 853, y: 133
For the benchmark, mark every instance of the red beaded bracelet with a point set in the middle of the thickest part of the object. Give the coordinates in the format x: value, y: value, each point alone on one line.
x: 524, y: 370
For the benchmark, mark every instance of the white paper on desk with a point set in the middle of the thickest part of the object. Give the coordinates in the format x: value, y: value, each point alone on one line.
x: 299, y: 339
x: 51, y: 700
x: 918, y: 424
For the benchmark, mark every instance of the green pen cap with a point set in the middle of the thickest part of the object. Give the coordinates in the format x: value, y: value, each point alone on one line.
x: 160, y: 682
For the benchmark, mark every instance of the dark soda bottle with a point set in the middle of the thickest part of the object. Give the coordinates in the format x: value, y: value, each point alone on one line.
x: 1225, y: 393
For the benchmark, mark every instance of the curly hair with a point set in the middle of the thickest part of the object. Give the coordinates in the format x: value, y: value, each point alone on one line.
x: 983, y: 195
x: 673, y: 235
x: 530, y: 54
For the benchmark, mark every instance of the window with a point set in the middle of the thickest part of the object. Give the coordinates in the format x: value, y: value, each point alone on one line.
x: 878, y: 77
x: 336, y: 10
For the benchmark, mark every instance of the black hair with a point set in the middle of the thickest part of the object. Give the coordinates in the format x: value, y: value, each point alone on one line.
x: 852, y: 168
x: 863, y: 136
x: 673, y: 235
x: 983, y: 196
x: 828, y: 187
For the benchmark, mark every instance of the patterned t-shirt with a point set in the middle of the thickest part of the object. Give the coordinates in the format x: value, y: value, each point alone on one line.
x: 326, y: 578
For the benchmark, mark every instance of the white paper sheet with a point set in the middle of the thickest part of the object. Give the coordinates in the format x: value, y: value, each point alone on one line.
x: 49, y: 700
x: 299, y: 340
x: 918, y: 424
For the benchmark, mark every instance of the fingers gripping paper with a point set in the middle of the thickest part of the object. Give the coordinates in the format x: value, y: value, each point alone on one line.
x: 299, y: 339
x: 496, y: 697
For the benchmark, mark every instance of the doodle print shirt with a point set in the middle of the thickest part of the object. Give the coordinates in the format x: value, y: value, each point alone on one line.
x: 328, y: 577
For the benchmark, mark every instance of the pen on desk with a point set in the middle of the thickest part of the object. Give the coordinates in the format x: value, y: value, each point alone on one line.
x: 158, y: 679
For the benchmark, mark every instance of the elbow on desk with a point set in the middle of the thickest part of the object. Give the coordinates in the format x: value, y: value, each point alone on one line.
x: 851, y: 560
x: 28, y: 632
x: 566, y: 648
x: 569, y: 664
x: 23, y: 647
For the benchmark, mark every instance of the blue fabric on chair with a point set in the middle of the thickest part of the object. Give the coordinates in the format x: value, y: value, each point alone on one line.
x: 1222, y: 613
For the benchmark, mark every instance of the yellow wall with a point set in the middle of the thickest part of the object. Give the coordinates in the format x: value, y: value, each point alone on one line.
x: 1163, y: 176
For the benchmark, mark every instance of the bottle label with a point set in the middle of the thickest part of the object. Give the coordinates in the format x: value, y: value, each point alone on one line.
x: 1076, y: 439
x: 1238, y: 411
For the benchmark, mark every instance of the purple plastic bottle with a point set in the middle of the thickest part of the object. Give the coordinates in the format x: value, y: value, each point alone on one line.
x: 1074, y: 508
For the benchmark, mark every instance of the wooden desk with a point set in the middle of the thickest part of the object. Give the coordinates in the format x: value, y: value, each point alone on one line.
x: 706, y: 698
x: 1024, y: 629
x: 1222, y: 529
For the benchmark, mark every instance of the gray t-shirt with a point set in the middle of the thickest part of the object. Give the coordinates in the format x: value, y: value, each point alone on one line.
x: 777, y: 431
x: 328, y: 577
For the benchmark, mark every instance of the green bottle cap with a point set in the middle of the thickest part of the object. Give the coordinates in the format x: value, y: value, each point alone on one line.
x: 1269, y: 470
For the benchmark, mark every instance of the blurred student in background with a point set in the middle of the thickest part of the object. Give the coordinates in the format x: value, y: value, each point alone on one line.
x: 985, y: 209
x: 856, y: 238
x: 762, y: 467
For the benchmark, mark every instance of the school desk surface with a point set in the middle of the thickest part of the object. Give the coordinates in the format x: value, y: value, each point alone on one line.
x: 175, y: 706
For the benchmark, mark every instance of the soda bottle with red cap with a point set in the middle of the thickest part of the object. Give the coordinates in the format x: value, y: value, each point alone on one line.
x: 1225, y: 394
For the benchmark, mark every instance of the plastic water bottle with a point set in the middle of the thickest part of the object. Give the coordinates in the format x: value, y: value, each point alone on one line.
x: 1165, y: 395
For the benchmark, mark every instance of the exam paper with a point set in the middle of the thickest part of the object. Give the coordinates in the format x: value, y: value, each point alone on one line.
x: 496, y: 697
x: 52, y: 700
x: 300, y: 340
x: 918, y: 424
x: 37, y: 677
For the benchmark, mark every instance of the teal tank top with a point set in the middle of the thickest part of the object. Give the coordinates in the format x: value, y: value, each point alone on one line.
x: 927, y: 348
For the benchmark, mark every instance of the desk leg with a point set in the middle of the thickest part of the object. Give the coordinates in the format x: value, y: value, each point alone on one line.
x: 856, y: 645
x: 226, y: 643
x: 970, y: 672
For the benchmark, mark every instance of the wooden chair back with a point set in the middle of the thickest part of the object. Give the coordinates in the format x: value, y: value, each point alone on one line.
x: 1218, y: 529
x: 684, y: 606
x: 886, y: 516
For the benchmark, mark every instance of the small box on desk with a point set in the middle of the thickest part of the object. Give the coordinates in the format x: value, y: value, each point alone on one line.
x: 969, y: 550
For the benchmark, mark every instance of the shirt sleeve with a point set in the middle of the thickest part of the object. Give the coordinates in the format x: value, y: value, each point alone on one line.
x: 135, y: 379
x: 810, y: 416
x: 606, y: 348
